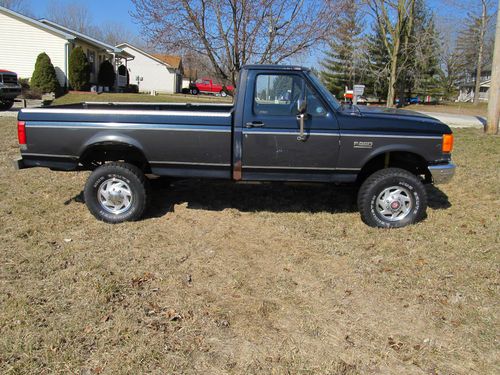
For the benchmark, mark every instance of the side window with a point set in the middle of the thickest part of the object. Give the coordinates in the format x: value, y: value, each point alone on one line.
x: 315, y: 107
x: 277, y: 95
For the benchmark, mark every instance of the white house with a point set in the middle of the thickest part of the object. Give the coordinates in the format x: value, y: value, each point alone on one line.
x: 153, y: 72
x: 23, y: 38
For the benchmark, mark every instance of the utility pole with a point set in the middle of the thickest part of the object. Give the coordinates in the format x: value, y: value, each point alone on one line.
x: 494, y: 99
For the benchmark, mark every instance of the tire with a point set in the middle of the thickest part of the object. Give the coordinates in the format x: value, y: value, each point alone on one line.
x: 5, y: 105
x: 223, y: 93
x: 130, y: 189
x: 392, y: 198
x: 195, y: 91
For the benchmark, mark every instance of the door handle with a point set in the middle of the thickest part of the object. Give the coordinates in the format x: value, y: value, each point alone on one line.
x: 254, y: 124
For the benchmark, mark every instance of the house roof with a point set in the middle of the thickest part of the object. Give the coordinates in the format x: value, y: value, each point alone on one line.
x: 173, y: 61
x: 38, y: 24
x: 63, y: 32
x: 86, y: 38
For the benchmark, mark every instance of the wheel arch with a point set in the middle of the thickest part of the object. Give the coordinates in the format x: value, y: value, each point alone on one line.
x: 104, y: 148
x: 406, y: 158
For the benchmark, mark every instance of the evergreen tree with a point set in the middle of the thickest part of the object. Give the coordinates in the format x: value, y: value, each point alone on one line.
x: 376, y: 64
x: 79, y: 69
x: 44, y: 77
x: 341, y: 64
x: 106, y: 76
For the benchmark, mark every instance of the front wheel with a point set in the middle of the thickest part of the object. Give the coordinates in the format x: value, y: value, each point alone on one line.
x: 116, y: 192
x: 392, y: 198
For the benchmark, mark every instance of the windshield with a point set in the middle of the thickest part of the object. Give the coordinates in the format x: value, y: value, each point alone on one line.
x: 326, y: 94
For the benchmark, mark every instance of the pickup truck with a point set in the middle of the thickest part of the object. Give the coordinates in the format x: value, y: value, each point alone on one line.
x: 283, y: 126
x: 207, y: 86
x: 9, y: 89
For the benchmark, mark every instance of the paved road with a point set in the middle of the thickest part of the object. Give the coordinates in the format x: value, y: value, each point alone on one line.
x: 458, y: 121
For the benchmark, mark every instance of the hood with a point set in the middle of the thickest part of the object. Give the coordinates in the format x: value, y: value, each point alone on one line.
x: 370, y: 118
x: 384, y: 111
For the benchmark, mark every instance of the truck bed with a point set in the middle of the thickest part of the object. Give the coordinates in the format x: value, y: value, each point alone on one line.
x: 176, y: 139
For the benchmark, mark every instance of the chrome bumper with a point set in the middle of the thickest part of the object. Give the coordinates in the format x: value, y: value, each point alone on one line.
x: 442, y: 174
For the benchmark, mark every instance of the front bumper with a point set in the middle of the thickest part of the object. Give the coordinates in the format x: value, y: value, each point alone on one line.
x: 9, y: 93
x: 442, y: 174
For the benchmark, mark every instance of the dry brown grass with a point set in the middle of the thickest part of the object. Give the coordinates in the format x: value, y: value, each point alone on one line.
x: 246, y: 279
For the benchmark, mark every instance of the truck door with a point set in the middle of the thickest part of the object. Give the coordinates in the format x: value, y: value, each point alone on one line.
x: 272, y: 148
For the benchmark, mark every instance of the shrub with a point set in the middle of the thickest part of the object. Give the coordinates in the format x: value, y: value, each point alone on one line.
x: 134, y: 89
x: 106, y: 75
x: 79, y: 70
x: 44, y: 78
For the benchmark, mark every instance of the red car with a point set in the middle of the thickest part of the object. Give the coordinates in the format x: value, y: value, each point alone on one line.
x: 207, y: 86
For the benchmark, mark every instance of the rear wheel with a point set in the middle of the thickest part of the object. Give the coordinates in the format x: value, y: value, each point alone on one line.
x: 223, y: 93
x: 116, y: 192
x: 392, y: 198
x: 5, y: 105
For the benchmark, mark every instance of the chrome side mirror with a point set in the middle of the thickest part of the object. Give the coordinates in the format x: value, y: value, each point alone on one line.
x: 301, y: 108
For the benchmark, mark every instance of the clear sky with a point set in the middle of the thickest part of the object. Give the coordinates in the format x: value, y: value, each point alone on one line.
x: 103, y: 11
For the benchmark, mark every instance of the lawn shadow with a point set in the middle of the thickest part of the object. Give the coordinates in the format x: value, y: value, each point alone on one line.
x: 436, y: 198
x: 216, y: 195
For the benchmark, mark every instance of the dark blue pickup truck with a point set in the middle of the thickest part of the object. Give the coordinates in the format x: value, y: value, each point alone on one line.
x: 284, y: 126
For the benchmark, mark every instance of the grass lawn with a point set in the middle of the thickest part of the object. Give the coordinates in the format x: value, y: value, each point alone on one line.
x: 456, y: 108
x: 249, y: 279
x: 113, y: 97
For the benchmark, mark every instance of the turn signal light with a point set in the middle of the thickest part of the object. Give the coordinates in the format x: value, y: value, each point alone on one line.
x: 447, y: 143
x: 21, y: 132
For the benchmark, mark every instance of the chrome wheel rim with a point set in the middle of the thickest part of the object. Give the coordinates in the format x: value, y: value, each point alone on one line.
x: 394, y: 203
x: 115, y: 196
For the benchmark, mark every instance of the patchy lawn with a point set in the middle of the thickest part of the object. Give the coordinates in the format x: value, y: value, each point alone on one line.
x: 249, y: 279
x: 469, y: 109
x: 114, y: 97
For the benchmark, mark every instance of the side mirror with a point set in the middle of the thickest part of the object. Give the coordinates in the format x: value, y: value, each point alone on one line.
x: 301, y: 106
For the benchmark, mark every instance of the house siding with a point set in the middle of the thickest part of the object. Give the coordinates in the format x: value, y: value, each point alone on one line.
x: 21, y: 43
x: 155, y: 76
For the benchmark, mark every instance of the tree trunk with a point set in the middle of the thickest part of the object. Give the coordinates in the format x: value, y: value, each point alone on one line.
x: 391, y: 93
x: 477, y: 88
x: 494, y: 99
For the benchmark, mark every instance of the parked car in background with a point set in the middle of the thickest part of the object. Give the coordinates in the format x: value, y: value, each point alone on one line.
x: 9, y: 89
x: 207, y: 86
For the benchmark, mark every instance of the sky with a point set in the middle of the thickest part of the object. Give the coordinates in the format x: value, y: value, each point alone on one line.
x: 119, y: 11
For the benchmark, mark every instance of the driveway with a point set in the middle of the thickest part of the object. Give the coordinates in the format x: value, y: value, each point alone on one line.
x: 30, y: 103
x: 458, y: 121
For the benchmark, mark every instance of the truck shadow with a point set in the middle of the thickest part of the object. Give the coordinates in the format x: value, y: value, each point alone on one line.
x: 273, y: 197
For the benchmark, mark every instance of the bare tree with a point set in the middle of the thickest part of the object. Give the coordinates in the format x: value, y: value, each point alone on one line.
x: 21, y: 6
x: 74, y: 16
x: 232, y: 33
x: 474, y: 46
x: 481, y: 31
x: 394, y: 18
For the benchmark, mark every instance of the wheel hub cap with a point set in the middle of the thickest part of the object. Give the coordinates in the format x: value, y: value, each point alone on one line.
x: 394, y: 203
x: 115, y: 196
